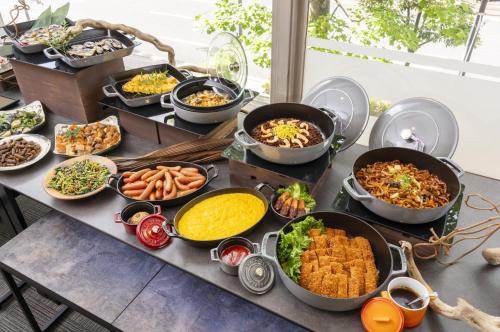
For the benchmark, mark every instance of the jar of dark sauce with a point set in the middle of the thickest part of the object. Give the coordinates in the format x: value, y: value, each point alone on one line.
x: 403, y: 296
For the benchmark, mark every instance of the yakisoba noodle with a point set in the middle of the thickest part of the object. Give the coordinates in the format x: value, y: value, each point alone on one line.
x: 403, y: 184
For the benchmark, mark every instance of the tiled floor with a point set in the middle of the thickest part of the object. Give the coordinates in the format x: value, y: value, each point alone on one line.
x: 11, y: 316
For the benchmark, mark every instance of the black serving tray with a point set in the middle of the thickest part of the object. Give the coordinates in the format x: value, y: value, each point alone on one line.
x: 420, y: 233
x: 245, y: 163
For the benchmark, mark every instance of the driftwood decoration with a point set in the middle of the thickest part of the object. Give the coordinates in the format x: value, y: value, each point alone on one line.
x: 463, y: 311
x: 97, y: 24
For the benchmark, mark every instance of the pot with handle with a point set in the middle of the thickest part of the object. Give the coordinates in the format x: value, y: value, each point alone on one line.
x: 353, y: 227
x: 443, y: 167
x: 323, y: 119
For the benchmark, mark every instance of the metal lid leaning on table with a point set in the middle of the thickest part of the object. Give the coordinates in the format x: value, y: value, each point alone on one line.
x: 418, y: 123
x: 348, y: 100
x: 150, y: 232
x: 256, y: 274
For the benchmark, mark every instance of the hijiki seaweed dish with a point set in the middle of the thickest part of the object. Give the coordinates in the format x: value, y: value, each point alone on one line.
x: 287, y: 133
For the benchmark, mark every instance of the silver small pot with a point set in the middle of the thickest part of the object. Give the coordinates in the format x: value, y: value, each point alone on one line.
x: 216, y: 253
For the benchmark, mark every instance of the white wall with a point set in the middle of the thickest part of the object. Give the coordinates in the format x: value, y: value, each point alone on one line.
x: 474, y: 102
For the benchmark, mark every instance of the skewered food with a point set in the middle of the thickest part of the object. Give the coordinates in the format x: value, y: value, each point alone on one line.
x: 162, y: 183
x: 79, y: 178
x: 18, y: 151
x: 326, y: 261
x: 221, y: 216
x: 150, y: 84
x: 294, y: 201
x: 403, y: 184
x: 287, y: 133
x: 91, y: 48
x: 21, y: 121
x: 207, y: 98
x: 41, y: 35
x: 77, y: 140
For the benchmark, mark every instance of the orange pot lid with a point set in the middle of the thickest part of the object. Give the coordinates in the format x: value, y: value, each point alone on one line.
x: 381, y: 315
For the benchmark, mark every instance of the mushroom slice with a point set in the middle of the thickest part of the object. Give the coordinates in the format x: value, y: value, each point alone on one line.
x: 273, y: 140
x: 267, y: 135
x: 304, y: 125
x: 304, y: 131
x: 285, y: 144
x: 298, y: 142
x: 281, y: 122
x: 264, y: 130
x: 294, y: 121
x: 302, y: 138
x: 272, y: 123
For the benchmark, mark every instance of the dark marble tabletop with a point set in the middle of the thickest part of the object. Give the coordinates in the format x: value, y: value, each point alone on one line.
x: 470, y: 279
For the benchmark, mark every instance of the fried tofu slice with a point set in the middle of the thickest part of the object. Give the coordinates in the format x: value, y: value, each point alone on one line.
x: 371, y: 280
x: 336, y: 267
x: 339, y: 232
x: 305, y: 274
x: 326, y: 269
x: 315, y: 281
x: 313, y: 232
x: 353, y: 287
x: 324, y: 260
x: 329, y: 285
x: 342, y: 288
x: 321, y: 242
x: 321, y: 252
x: 338, y: 253
x: 330, y: 233
x: 341, y: 240
x: 353, y: 253
x: 359, y: 275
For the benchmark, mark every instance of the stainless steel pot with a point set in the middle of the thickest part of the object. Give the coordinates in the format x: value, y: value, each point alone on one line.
x: 446, y: 169
x: 216, y: 253
x: 93, y: 35
x: 354, y: 227
x: 206, y: 115
x: 323, y: 119
x: 210, y: 243
x: 117, y: 80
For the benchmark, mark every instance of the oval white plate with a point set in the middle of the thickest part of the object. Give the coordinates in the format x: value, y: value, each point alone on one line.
x: 43, y: 141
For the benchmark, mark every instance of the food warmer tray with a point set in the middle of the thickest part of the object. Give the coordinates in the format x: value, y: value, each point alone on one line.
x: 93, y: 35
x: 117, y: 80
x: 22, y: 28
x: 393, y: 231
x: 247, y: 169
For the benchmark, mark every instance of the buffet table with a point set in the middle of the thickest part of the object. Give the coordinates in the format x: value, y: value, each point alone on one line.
x: 471, y: 279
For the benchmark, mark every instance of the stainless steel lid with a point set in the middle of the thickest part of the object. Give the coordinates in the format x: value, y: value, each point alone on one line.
x: 417, y: 123
x: 348, y: 100
x: 256, y: 274
x: 228, y: 59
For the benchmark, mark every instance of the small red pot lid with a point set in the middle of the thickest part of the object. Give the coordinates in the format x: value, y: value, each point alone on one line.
x: 150, y: 232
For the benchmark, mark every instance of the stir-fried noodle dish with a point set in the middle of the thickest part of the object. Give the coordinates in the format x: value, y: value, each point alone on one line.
x: 403, y: 184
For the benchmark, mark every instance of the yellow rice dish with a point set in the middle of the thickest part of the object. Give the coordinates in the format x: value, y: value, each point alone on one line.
x: 221, y: 216
x: 150, y: 84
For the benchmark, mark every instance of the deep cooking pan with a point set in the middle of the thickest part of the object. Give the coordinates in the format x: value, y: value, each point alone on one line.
x: 117, y: 80
x: 354, y: 227
x: 212, y: 114
x: 93, y: 35
x: 10, y: 30
x: 212, y: 243
x: 447, y: 170
x: 115, y: 181
x: 323, y: 119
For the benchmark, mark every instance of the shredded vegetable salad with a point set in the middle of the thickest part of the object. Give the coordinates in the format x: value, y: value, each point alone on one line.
x: 79, y: 178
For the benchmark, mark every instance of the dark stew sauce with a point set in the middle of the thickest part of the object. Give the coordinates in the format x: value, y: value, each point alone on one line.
x: 403, y: 296
x: 233, y: 255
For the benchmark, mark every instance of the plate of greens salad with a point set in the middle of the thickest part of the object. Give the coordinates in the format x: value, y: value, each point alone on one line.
x: 22, y: 120
x: 79, y: 177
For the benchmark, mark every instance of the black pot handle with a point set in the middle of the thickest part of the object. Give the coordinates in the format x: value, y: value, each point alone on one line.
x: 459, y: 171
x: 171, y: 231
x: 261, y: 186
x: 109, y: 182
x: 187, y: 74
x: 214, y: 175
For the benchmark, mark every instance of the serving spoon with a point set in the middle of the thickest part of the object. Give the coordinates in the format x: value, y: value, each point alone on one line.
x: 421, y: 298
